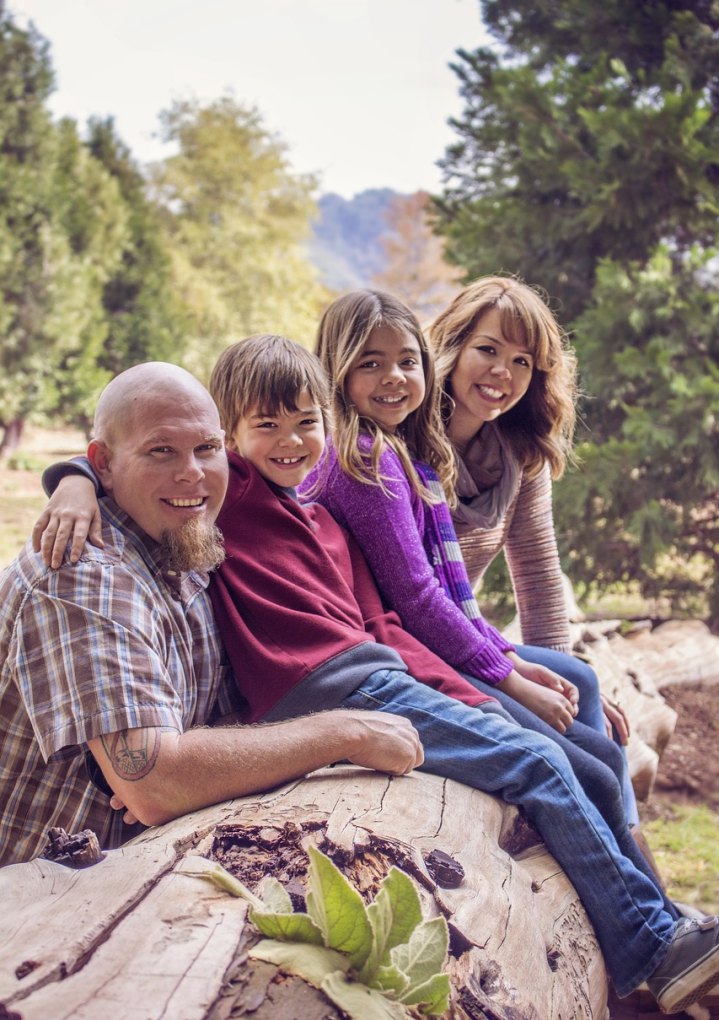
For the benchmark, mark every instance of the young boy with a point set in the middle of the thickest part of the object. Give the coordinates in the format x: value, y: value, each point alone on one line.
x: 298, y: 610
x: 305, y: 629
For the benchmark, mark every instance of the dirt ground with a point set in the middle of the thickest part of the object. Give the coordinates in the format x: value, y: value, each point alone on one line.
x: 689, y: 768
x: 688, y: 773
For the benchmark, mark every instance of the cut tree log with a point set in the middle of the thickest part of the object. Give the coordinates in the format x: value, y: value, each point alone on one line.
x: 133, y: 936
x: 633, y: 663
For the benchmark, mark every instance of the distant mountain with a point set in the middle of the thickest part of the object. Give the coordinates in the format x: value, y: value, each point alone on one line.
x: 346, y: 244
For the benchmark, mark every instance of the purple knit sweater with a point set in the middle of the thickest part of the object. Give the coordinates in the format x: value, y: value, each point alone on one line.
x: 390, y: 532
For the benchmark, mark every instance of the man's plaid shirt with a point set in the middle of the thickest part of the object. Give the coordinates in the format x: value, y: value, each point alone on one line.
x: 108, y: 644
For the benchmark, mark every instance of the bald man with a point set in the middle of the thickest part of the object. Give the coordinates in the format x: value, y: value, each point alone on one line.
x: 119, y: 652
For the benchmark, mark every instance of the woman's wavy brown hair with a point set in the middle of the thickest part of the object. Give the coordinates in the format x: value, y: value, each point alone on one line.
x: 343, y: 332
x: 541, y: 426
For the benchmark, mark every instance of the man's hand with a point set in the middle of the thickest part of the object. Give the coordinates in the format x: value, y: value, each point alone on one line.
x: 118, y: 805
x: 387, y: 743
x: 375, y: 740
x: 72, y: 513
x: 158, y: 773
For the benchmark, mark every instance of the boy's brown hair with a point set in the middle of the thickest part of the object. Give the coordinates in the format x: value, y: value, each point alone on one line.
x: 266, y: 373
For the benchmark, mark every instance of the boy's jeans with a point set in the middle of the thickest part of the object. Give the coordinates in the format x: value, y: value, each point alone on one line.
x: 633, y: 921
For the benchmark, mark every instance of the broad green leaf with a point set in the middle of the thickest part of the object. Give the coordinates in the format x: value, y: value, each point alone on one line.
x: 275, y: 897
x: 287, y: 927
x: 389, y: 980
x: 425, y: 953
x: 337, y: 909
x: 394, y: 914
x: 432, y: 997
x: 312, y: 963
x: 359, y: 1001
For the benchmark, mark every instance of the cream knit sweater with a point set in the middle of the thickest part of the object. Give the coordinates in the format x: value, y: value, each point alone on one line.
x: 526, y: 533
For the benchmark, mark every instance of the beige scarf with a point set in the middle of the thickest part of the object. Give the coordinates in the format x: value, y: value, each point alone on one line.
x: 488, y: 476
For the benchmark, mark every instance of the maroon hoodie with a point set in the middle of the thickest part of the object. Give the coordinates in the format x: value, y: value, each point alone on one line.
x: 298, y: 609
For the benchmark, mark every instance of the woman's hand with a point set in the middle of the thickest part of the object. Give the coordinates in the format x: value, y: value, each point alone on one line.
x: 72, y: 513
x: 615, y: 716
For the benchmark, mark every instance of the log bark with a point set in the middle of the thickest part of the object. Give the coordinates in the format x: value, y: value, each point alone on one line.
x: 633, y: 664
x: 133, y: 936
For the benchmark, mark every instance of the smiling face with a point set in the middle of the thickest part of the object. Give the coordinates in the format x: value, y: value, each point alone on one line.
x: 386, y: 380
x: 166, y: 464
x: 491, y: 375
x: 284, y: 447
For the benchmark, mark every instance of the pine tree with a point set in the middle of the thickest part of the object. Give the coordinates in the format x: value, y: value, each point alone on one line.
x: 588, y: 163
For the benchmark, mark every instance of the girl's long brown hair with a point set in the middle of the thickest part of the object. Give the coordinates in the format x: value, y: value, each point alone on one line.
x: 344, y: 330
x: 541, y: 426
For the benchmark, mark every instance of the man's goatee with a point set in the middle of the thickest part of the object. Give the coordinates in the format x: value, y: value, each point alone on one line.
x: 197, y: 545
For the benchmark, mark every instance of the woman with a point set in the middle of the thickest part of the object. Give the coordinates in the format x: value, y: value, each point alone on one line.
x: 508, y: 379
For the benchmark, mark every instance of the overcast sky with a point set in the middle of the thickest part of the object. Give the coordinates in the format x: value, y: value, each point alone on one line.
x: 360, y: 90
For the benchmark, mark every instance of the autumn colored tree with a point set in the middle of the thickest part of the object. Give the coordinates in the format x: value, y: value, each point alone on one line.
x: 415, y: 269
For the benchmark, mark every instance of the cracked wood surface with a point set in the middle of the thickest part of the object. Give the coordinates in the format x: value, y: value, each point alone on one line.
x: 132, y: 936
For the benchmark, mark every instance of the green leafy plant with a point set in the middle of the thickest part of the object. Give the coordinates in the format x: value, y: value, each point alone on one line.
x: 373, y: 961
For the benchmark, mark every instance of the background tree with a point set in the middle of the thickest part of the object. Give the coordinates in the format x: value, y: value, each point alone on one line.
x: 590, y: 131
x: 62, y: 232
x: 145, y: 320
x: 588, y: 163
x: 26, y: 147
x: 645, y: 506
x: 236, y: 220
x: 414, y: 265
x: 90, y: 222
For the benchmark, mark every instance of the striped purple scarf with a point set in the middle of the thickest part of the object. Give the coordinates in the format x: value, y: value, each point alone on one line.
x: 442, y: 547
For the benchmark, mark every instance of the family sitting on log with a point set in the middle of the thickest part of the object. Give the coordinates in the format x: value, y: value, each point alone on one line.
x: 212, y: 594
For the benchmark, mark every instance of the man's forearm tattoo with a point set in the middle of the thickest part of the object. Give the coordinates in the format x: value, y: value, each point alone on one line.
x: 133, y: 753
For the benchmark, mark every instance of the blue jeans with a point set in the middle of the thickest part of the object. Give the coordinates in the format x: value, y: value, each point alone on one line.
x: 633, y: 921
x: 588, y: 730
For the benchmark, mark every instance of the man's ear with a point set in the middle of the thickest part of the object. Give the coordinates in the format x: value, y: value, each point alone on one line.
x: 98, y: 453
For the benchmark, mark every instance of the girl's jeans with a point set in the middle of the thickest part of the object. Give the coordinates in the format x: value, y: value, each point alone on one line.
x: 633, y: 921
x: 590, y: 715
